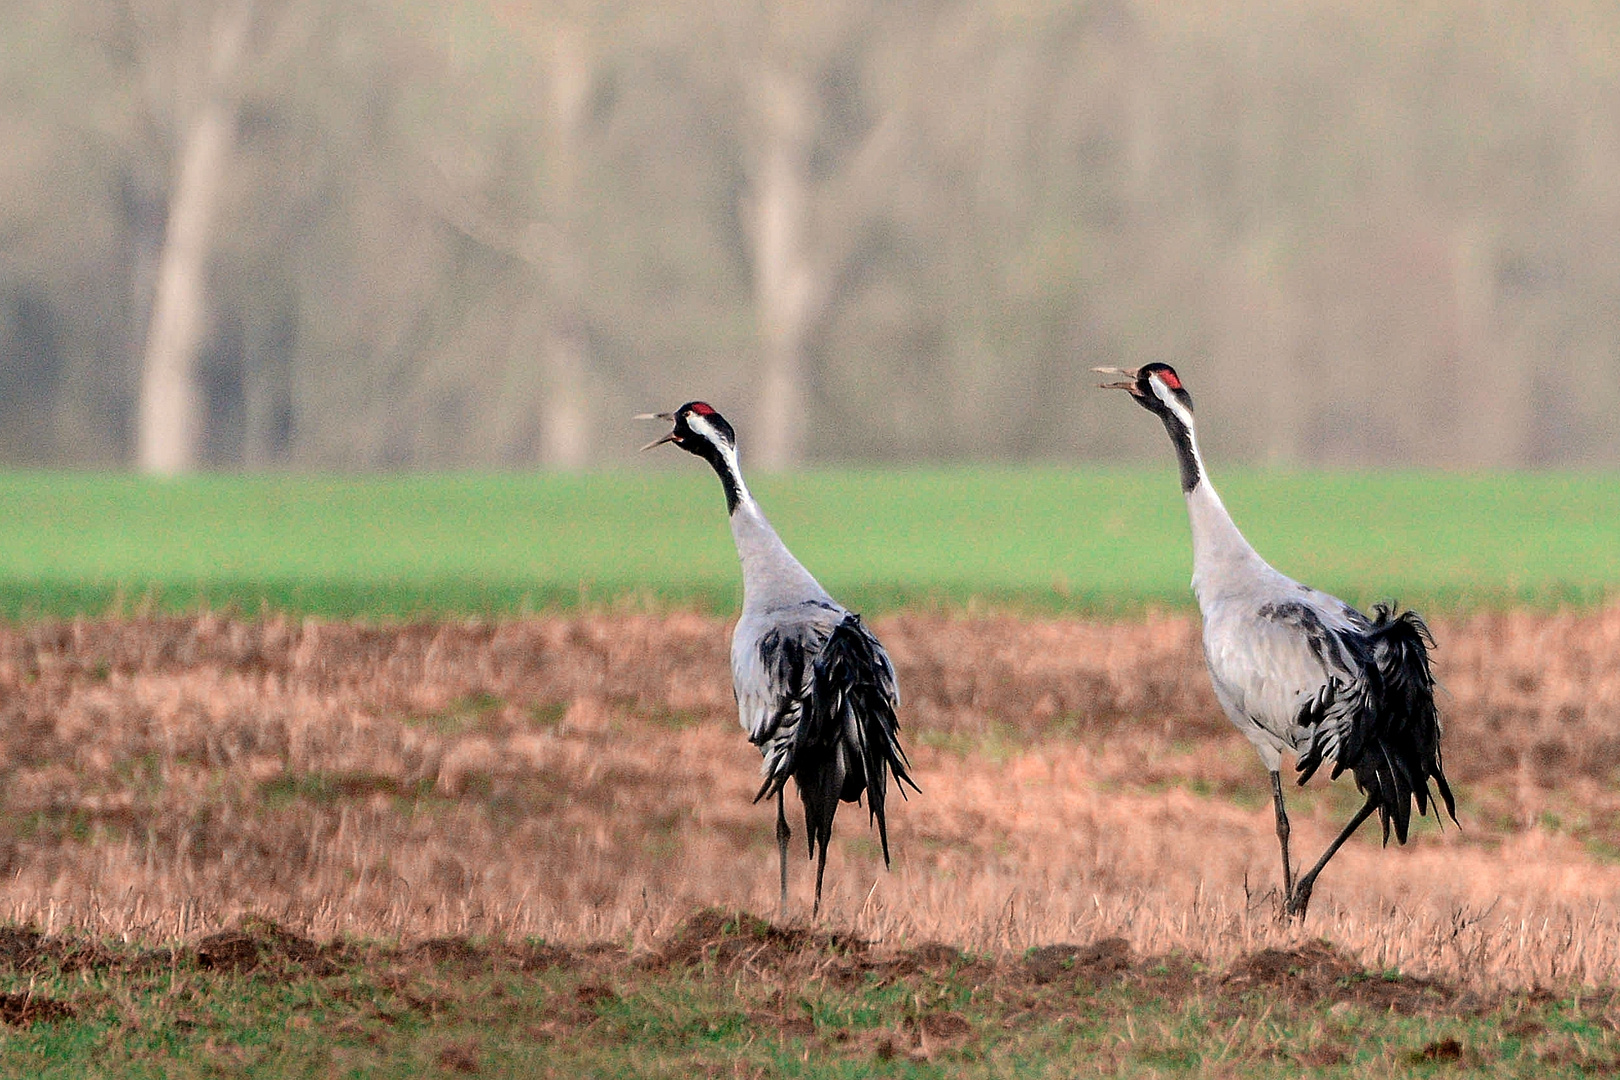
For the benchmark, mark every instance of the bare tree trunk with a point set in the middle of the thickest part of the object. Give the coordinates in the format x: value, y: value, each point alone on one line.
x: 564, y: 442
x: 785, y: 279
x: 1493, y: 419
x: 565, y: 428
x: 1268, y: 342
x: 168, y: 429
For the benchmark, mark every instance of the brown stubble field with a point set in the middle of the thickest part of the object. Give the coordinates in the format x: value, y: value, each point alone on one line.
x: 583, y: 779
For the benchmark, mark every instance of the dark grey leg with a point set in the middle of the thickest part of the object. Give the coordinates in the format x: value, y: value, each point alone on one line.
x: 783, y: 834
x: 1282, y: 833
x: 821, y: 866
x: 1301, y: 896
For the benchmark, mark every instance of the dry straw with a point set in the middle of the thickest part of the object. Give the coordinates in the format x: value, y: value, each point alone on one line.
x: 584, y: 779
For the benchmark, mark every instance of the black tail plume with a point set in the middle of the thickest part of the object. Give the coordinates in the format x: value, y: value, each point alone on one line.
x: 852, y: 713
x: 1402, y: 753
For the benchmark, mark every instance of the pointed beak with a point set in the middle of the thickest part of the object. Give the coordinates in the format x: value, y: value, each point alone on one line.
x: 656, y: 416
x: 1128, y: 384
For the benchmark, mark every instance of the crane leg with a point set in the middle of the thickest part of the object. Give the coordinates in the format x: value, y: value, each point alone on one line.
x: 821, y: 866
x: 1282, y: 833
x: 783, y: 834
x: 1301, y: 896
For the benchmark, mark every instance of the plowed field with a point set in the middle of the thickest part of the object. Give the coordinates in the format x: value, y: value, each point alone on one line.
x: 583, y: 779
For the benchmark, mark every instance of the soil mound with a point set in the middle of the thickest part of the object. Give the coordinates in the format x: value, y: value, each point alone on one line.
x: 736, y: 940
x: 1099, y: 962
x: 20, y: 1010
x: 261, y: 945
x: 1318, y: 971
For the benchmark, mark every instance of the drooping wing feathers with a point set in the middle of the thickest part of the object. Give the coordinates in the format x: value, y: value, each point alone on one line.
x: 1328, y: 725
x: 779, y: 680
x: 1380, y: 722
x: 835, y: 729
x: 853, y: 700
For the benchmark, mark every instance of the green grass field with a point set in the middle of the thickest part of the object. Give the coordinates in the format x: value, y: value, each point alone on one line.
x: 1029, y: 539
x: 755, y: 1002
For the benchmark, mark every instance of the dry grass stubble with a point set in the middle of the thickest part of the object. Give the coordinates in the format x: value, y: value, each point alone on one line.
x: 583, y: 778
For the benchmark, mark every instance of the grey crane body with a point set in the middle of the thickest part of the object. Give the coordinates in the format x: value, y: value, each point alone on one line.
x: 1270, y: 643
x: 1299, y: 671
x: 816, y: 692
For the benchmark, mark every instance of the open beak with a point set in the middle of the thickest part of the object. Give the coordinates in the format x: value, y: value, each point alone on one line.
x: 1130, y: 378
x: 657, y: 416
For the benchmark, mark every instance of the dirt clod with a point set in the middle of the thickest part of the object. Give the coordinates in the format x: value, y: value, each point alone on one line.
x: 1317, y: 971
x: 261, y: 944
x: 18, y: 945
x: 734, y: 940
x: 1324, y: 1055
x: 945, y: 1025
x: 541, y: 957
x: 933, y: 956
x: 20, y: 1010
x: 1100, y: 960
x: 228, y: 950
x: 1443, y: 1050
x: 792, y: 1027
x: 461, y: 1057
x: 1311, y: 965
x: 591, y: 995
x: 451, y: 951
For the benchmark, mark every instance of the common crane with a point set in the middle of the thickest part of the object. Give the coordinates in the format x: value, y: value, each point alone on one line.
x: 815, y: 690
x: 1298, y: 670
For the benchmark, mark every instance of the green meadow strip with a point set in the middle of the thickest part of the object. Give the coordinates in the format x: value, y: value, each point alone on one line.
x: 1034, y: 540
x: 256, y: 1004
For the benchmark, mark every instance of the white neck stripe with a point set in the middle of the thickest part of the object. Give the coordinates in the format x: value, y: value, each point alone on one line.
x: 728, y: 452
x: 700, y: 423
x: 1166, y: 395
x: 1181, y: 412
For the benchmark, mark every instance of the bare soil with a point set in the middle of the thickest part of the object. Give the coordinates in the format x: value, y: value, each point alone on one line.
x: 583, y: 780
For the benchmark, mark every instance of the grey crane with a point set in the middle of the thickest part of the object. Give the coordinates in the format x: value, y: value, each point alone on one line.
x: 1298, y: 670
x: 815, y: 689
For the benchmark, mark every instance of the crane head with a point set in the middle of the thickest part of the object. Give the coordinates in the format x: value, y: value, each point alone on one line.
x: 1156, y: 387
x: 699, y: 429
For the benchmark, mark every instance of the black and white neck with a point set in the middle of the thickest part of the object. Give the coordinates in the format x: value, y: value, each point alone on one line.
x: 701, y: 430
x: 772, y: 577
x: 1157, y: 388
x: 1173, y: 405
x: 715, y: 443
x: 1222, y: 558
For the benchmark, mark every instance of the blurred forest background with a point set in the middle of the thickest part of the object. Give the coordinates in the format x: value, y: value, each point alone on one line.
x: 383, y: 234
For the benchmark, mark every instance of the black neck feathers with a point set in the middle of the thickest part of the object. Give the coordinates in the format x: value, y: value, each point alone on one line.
x: 1181, y: 437
x: 702, y: 431
x: 724, y: 469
